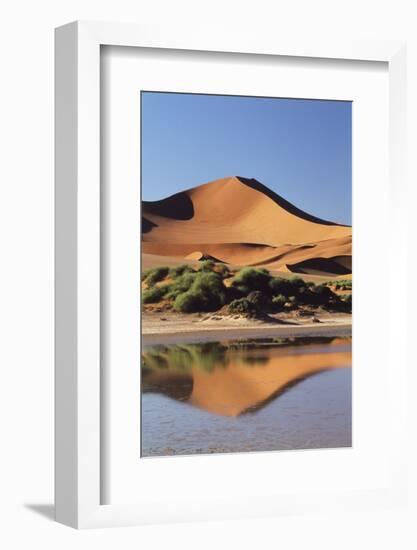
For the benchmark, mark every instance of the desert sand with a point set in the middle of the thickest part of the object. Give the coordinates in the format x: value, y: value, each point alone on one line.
x: 168, y: 327
x: 241, y: 222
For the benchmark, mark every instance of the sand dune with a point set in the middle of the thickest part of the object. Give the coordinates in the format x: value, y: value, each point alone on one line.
x: 242, y: 222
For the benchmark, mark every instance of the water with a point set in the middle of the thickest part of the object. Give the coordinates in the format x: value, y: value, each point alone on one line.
x: 246, y: 395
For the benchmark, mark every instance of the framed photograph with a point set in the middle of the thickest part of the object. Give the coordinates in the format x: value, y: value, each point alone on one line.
x: 215, y: 199
x: 244, y: 295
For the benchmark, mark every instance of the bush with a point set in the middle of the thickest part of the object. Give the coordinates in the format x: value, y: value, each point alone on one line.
x: 239, y: 291
x: 341, y: 284
x: 320, y: 295
x: 323, y: 290
x: 279, y: 301
x: 207, y: 265
x: 206, y: 293
x: 211, y: 288
x: 181, y: 284
x: 187, y: 302
x: 145, y: 274
x: 297, y: 282
x: 279, y: 285
x: 242, y: 306
x: 323, y: 294
x: 154, y: 294
x: 249, y: 278
x: 288, y: 287
x: 179, y: 270
x: 155, y: 275
x: 259, y: 299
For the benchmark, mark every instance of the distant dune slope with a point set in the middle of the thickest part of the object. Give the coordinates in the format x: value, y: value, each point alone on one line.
x: 240, y: 221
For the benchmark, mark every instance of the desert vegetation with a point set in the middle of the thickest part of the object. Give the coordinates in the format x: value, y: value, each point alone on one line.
x: 213, y: 286
x: 340, y: 284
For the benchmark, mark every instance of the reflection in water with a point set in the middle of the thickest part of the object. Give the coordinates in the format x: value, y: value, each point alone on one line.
x: 229, y: 380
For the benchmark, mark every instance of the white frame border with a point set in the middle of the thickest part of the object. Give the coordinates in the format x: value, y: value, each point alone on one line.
x: 77, y: 248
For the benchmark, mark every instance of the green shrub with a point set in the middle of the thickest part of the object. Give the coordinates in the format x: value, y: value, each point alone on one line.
x: 288, y: 287
x: 340, y: 284
x: 206, y: 293
x: 259, y: 299
x: 181, y: 284
x: 242, y: 306
x: 319, y: 295
x: 239, y: 291
x: 323, y: 294
x: 297, y: 282
x: 279, y: 301
x: 279, y: 285
x: 155, y: 275
x: 187, y: 302
x: 207, y: 265
x: 306, y: 295
x: 145, y: 274
x: 249, y: 278
x: 155, y: 294
x: 179, y: 270
x: 323, y: 290
x: 211, y: 288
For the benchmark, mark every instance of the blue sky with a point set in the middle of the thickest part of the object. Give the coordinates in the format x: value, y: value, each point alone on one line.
x: 299, y: 148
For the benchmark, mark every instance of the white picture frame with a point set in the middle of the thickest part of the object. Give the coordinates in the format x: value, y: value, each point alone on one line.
x: 78, y: 260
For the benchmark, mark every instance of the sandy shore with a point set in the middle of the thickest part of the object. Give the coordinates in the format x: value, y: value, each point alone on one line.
x: 169, y: 328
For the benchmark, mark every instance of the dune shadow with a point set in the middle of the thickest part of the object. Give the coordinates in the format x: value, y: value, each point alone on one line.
x: 258, y: 186
x: 176, y: 207
x: 320, y: 266
x: 45, y: 510
x: 147, y: 225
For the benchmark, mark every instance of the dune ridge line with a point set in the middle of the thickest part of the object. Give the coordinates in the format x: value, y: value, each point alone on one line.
x: 240, y: 221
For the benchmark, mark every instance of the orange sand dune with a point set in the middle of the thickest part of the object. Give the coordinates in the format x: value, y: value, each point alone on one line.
x: 242, y: 222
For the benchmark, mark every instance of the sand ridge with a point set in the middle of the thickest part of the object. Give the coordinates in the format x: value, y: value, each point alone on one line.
x: 240, y: 221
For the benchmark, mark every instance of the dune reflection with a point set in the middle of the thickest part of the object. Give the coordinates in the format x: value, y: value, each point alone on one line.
x: 234, y: 378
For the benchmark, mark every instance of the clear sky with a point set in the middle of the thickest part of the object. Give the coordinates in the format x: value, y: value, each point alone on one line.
x: 299, y: 148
